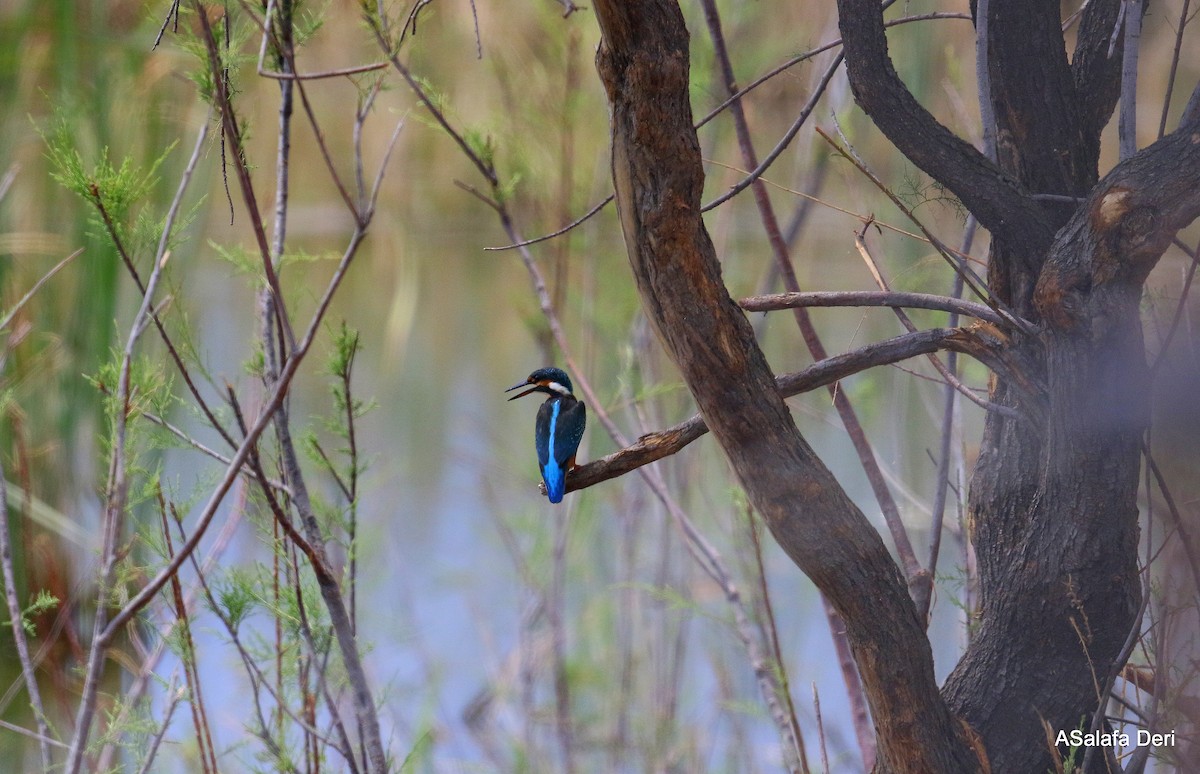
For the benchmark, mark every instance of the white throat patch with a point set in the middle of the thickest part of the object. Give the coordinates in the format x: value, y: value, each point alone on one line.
x: 558, y: 388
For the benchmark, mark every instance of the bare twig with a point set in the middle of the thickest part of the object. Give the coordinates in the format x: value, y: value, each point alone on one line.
x: 849, y: 417
x: 941, y: 479
x: 820, y: 729
x: 585, y: 216
x: 16, y: 618
x: 655, y: 446
x: 773, y: 637
x: 232, y: 134
x: 950, y: 377
x: 1174, y: 69
x: 190, y: 659
x: 32, y: 734
x: 1129, y: 72
x: 983, y: 80
x: 784, y: 141
x: 117, y: 488
x: 970, y: 278
x: 887, y: 298
x: 176, y: 695
x: 8, y: 317
x: 203, y: 449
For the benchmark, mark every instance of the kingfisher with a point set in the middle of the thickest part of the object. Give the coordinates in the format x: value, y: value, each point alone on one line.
x: 560, y: 422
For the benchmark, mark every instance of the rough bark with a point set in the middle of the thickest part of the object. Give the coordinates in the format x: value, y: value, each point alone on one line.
x: 1057, y: 543
x: 644, y: 63
x: 1054, y: 513
x: 1054, y: 509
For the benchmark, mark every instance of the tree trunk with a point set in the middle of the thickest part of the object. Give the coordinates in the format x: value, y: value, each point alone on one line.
x: 643, y: 61
x: 1053, y: 501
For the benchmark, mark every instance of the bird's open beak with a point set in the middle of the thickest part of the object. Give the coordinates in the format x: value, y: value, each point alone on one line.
x: 519, y: 386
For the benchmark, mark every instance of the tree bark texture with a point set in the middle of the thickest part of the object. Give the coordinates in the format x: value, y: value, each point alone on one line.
x: 644, y: 63
x: 1053, y: 511
x: 1053, y: 501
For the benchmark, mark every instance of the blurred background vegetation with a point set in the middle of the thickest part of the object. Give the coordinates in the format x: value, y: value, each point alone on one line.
x: 467, y: 611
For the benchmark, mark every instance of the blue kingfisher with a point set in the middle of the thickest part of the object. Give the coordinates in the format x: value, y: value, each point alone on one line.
x: 560, y: 422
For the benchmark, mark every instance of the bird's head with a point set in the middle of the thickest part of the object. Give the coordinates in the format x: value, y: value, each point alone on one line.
x: 552, y: 381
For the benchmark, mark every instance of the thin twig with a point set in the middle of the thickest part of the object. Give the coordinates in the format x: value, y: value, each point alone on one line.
x: 887, y: 298
x: 17, y: 620
x: 585, y: 216
x: 941, y: 478
x: 203, y: 449
x: 972, y: 280
x: 947, y: 375
x: 1129, y: 73
x: 663, y: 443
x: 191, y: 672
x: 8, y: 317
x: 32, y: 734
x: 1174, y: 69
x: 232, y: 133
x: 812, y: 52
x: 983, y: 79
x: 117, y: 488
x: 867, y: 219
x: 773, y: 637
x: 176, y: 695
x: 820, y: 729
x: 784, y: 141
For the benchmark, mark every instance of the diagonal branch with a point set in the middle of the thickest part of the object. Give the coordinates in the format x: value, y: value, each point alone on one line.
x: 658, y: 175
x: 999, y: 202
x: 664, y: 443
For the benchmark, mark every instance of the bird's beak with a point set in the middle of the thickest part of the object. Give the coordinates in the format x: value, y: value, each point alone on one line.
x: 519, y: 386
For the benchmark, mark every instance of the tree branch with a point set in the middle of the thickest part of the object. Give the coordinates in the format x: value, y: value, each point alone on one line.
x: 1097, y: 74
x: 658, y: 176
x: 888, y: 298
x: 998, y: 201
x: 663, y: 443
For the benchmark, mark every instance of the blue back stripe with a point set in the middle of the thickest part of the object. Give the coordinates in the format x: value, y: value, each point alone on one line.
x: 553, y: 423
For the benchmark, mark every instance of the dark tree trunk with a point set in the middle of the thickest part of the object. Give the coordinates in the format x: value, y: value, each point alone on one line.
x: 1053, y: 501
x: 657, y: 171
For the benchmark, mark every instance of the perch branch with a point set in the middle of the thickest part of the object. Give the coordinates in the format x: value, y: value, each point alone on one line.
x: 663, y: 443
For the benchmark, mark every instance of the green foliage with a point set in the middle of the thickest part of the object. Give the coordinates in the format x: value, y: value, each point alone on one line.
x: 236, y: 595
x: 434, y: 98
x: 482, y: 143
x: 249, y: 262
x: 231, y: 38
x: 418, y: 754
x: 150, y: 386
x: 114, y: 190
x: 43, y: 602
x: 1074, y: 759
x: 129, y: 726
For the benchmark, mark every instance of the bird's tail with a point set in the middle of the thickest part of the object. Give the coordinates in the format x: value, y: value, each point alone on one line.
x: 556, y: 482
